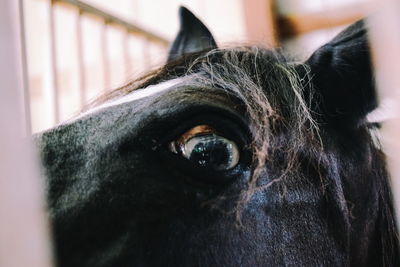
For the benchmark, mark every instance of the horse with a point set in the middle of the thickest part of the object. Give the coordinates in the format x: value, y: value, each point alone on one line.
x: 236, y: 156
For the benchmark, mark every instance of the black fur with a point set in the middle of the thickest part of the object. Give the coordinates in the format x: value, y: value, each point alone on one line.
x: 342, y: 74
x: 193, y: 36
x: 310, y: 188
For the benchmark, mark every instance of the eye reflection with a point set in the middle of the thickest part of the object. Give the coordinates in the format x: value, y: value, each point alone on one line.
x: 203, y: 146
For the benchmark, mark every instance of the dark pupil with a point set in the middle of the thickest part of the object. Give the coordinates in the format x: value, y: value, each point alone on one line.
x: 211, y: 154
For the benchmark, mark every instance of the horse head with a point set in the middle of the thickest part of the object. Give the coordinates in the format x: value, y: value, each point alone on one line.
x: 226, y: 157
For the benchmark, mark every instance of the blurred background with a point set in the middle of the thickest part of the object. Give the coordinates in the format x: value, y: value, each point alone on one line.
x: 77, y: 50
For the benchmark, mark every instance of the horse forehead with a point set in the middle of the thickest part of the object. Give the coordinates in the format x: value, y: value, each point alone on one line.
x: 137, y: 95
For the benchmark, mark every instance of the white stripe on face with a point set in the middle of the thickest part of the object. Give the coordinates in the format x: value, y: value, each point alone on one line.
x: 134, y: 95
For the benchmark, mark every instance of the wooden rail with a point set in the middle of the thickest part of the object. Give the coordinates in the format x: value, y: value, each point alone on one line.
x: 111, y: 19
x: 24, y: 228
x: 107, y: 20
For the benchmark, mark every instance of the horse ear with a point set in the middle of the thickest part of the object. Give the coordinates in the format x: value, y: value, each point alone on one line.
x: 342, y: 76
x: 193, y: 36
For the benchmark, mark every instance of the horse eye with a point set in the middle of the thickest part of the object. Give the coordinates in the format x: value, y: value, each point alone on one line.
x: 205, y: 147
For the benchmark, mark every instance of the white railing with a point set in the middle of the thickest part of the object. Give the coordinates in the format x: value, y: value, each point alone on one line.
x: 23, y: 228
x: 107, y: 20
